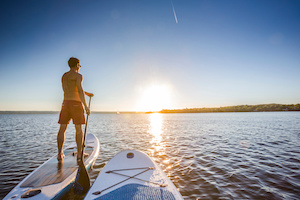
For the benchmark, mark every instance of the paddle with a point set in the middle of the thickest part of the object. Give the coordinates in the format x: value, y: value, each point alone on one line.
x: 82, y: 181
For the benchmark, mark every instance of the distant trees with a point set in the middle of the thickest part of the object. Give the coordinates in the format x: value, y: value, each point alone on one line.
x: 239, y: 108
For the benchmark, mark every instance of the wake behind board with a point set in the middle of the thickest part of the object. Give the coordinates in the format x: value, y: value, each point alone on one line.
x: 132, y: 175
x: 53, y: 179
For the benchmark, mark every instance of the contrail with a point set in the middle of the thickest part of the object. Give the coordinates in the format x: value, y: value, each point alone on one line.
x: 174, y: 13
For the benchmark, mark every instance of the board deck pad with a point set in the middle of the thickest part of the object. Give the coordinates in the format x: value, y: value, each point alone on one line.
x: 55, y: 171
x: 138, y: 192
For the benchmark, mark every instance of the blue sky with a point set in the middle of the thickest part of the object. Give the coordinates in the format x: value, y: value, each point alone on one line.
x: 219, y: 53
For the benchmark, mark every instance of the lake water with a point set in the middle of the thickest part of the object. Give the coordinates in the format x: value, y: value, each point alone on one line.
x: 206, y: 155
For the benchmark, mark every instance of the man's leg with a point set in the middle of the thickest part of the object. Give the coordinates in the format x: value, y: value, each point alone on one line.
x: 61, y: 140
x: 79, y: 139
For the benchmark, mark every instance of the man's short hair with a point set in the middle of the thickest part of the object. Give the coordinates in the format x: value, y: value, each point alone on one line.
x: 73, y: 62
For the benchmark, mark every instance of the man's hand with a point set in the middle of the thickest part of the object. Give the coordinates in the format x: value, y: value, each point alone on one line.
x: 88, y: 111
x: 89, y: 94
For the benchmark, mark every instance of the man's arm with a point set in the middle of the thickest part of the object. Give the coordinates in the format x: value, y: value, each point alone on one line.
x: 81, y: 93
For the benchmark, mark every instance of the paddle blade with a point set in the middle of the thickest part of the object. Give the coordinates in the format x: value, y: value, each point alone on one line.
x: 82, y: 181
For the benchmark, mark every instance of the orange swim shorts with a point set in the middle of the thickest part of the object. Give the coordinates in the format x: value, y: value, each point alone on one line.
x: 71, y: 110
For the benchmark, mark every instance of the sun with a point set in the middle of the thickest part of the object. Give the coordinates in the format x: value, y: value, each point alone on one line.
x: 154, y: 98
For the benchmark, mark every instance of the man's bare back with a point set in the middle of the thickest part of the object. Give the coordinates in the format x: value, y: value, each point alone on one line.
x: 69, y: 83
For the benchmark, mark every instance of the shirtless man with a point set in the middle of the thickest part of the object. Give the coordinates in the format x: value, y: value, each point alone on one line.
x: 72, y: 107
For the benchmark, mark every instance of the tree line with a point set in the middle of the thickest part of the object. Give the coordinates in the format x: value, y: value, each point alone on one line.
x: 239, y: 108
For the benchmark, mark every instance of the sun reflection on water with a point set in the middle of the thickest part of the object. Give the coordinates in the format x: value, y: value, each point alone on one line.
x: 158, y: 147
x: 156, y: 127
x: 156, y: 130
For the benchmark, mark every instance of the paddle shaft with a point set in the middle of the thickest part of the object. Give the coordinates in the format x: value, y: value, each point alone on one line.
x: 85, y: 129
x: 82, y: 181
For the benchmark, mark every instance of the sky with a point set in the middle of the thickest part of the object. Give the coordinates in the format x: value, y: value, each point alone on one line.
x: 146, y: 55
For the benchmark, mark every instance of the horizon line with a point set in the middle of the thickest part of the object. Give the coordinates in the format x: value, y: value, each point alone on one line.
x: 57, y: 111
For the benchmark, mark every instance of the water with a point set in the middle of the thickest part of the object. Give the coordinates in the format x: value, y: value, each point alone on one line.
x: 207, y: 155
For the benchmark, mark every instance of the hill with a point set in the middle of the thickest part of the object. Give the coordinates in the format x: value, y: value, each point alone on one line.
x: 239, y: 108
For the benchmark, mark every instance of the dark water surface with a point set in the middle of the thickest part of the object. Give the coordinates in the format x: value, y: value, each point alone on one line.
x: 207, y: 155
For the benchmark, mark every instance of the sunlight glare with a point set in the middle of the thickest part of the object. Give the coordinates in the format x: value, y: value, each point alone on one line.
x: 154, y: 98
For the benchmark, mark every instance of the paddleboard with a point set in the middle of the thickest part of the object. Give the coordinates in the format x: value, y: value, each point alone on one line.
x: 53, y: 178
x: 132, y: 175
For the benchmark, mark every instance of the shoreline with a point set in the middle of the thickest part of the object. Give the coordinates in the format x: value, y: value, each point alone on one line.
x: 239, y: 108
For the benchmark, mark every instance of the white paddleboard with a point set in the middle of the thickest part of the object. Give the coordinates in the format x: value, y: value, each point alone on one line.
x: 132, y: 175
x: 53, y: 179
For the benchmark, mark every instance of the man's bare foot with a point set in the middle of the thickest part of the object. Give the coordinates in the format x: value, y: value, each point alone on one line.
x: 60, y: 156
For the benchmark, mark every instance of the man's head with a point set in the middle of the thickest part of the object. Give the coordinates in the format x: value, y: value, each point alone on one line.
x: 73, y: 62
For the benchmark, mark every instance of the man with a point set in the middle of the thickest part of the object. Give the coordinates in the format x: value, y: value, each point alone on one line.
x: 72, y: 107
